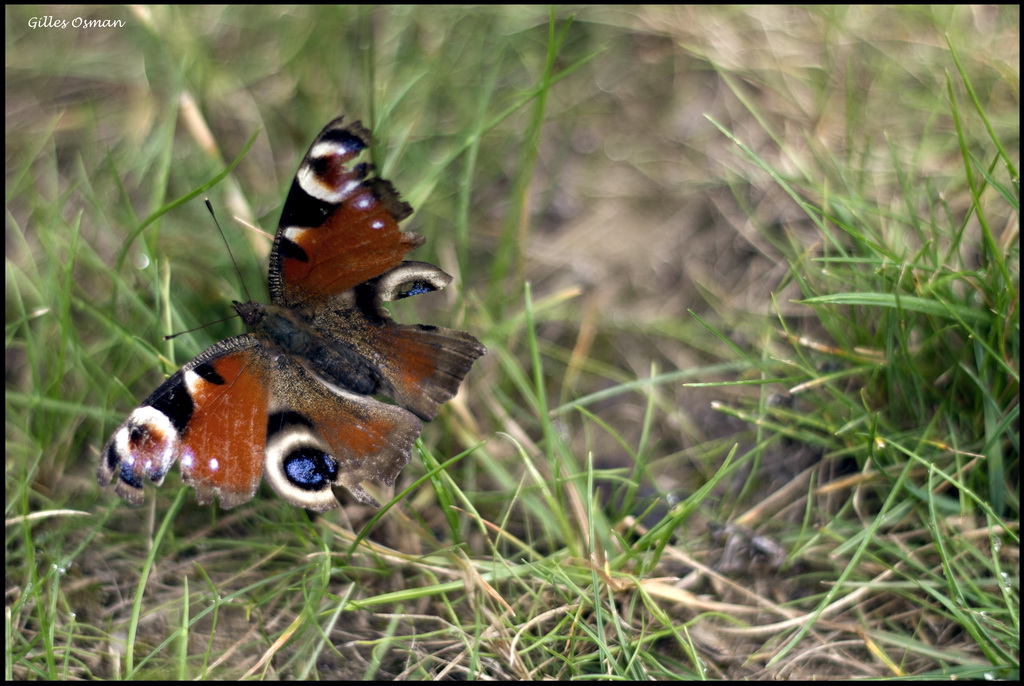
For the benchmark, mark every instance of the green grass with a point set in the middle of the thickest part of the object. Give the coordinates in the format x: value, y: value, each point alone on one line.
x: 748, y: 278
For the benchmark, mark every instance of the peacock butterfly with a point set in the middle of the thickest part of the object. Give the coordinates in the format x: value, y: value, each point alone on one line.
x: 293, y: 399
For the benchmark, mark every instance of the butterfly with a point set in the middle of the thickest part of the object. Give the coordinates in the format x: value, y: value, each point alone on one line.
x: 297, y: 399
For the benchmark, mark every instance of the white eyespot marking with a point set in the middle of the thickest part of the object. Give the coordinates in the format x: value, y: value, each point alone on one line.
x: 159, y: 443
x: 328, y: 149
x: 194, y: 382
x: 214, y: 464
x: 377, y: 224
x: 294, y: 233
x: 410, y: 278
x: 187, y: 461
x: 364, y: 202
x: 322, y: 187
x: 278, y: 448
x: 155, y: 420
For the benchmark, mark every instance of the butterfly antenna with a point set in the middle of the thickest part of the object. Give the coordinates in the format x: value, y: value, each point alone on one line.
x: 225, y: 239
x: 202, y: 326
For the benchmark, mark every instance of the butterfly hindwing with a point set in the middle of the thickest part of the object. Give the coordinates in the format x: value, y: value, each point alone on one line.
x: 320, y: 435
x: 417, y: 366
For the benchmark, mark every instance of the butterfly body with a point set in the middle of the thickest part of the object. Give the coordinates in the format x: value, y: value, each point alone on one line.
x: 294, y: 399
